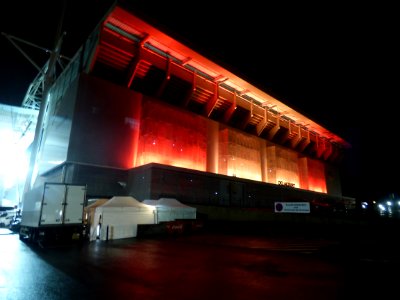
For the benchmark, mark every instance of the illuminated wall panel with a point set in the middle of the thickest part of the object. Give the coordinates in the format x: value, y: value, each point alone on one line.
x: 282, y: 166
x: 303, y: 173
x: 239, y: 154
x: 172, y: 137
x: 287, y: 169
x: 316, y: 176
x: 271, y: 164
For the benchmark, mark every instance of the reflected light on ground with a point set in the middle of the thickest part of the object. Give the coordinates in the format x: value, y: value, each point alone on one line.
x: 9, y: 257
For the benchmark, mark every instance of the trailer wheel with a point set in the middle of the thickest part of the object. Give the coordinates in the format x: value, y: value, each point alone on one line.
x: 32, y: 235
x: 22, y: 233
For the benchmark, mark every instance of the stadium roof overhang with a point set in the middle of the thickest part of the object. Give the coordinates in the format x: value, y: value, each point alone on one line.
x: 134, y: 53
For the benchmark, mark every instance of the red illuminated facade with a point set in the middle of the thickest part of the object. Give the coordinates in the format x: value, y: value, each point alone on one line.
x: 252, y: 138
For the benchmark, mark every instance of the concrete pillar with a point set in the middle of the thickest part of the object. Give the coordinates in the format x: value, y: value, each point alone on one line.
x: 212, y: 146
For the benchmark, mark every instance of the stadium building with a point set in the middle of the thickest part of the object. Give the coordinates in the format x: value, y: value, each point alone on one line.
x: 138, y: 113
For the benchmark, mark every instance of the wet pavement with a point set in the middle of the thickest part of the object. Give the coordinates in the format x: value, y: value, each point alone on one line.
x: 204, y: 265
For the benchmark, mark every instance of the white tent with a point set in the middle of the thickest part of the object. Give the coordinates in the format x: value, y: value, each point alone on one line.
x: 118, y: 218
x: 170, y: 209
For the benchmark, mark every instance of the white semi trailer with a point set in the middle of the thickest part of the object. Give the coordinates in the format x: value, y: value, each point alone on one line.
x: 53, y: 212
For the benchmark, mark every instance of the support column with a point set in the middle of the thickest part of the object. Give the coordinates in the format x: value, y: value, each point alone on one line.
x: 212, y: 146
x: 264, y: 164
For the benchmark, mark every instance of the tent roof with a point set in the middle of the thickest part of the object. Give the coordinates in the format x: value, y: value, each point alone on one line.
x: 124, y: 201
x: 167, y: 203
x: 150, y: 202
x: 171, y: 202
x: 96, y: 203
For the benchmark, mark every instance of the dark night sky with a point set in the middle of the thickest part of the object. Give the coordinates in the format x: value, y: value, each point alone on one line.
x: 334, y: 62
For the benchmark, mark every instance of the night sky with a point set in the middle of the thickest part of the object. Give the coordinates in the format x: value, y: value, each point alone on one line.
x: 333, y: 62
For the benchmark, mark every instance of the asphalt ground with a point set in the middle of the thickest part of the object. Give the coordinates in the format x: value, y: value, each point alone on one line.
x: 225, y: 260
